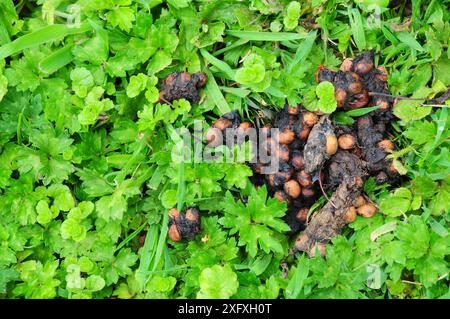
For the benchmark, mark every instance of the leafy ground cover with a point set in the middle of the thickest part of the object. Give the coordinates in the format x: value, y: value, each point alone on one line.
x: 87, y: 175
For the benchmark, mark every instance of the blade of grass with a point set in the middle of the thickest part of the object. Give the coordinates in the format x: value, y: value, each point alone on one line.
x: 167, y: 271
x: 342, y: 118
x: 131, y: 236
x: 295, y: 285
x: 19, y: 127
x: 266, y: 36
x: 56, y: 60
x: 240, y: 92
x: 4, y: 34
x: 231, y: 47
x: 410, y: 41
x: 274, y: 92
x: 43, y: 35
x: 168, y: 264
x: 224, y: 67
x: 303, y: 50
x: 261, y: 264
x: 362, y: 111
x: 181, y: 190
x: 389, y: 35
x: 146, y: 255
x: 129, y: 166
x: 357, y: 27
x: 161, y: 241
x: 214, y: 93
x: 384, y: 229
x: 437, y: 228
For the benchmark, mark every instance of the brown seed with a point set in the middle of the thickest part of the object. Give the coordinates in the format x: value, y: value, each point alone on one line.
x: 297, y: 161
x: 202, y: 78
x: 355, y: 77
x: 244, y: 126
x: 308, y: 192
x: 367, y: 210
x: 265, y: 130
x: 383, y: 104
x: 244, y: 129
x: 304, y: 133
x: 341, y: 96
x: 269, y: 145
x: 214, y: 137
x: 355, y: 87
x: 392, y: 170
x: 382, y: 74
x: 363, y: 67
x: 361, y: 99
x: 257, y: 168
x: 310, y: 119
x: 293, y: 110
x: 174, y: 214
x: 332, y: 145
x: 185, y: 77
x: 304, y: 179
x: 292, y: 188
x: 346, y: 65
x: 281, y: 196
x: 169, y: 80
x: 301, y: 241
x: 192, y: 214
x: 381, y: 77
x: 350, y: 215
x: 386, y: 145
x: 286, y: 137
x: 174, y: 233
x: 222, y: 124
x: 382, y: 70
x: 347, y: 141
x: 359, y: 201
x: 279, y: 178
x: 282, y: 152
x: 302, y: 215
x: 321, y: 247
x: 284, y: 176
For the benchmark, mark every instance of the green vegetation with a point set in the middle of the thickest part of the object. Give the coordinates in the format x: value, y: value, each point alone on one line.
x: 86, y: 171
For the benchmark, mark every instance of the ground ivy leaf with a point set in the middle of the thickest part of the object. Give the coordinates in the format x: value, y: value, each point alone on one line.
x: 325, y: 92
x: 111, y: 207
x: 217, y: 282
